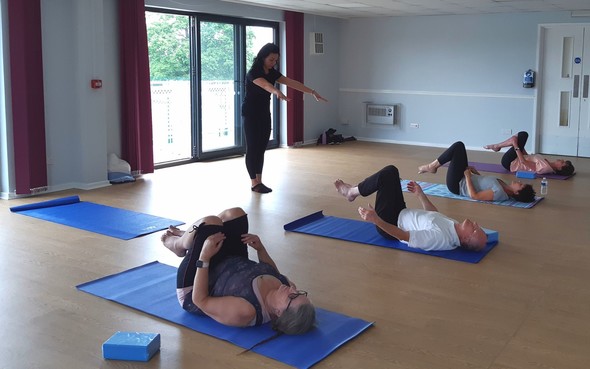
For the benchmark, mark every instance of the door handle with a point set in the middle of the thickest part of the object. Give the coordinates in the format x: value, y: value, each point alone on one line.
x: 585, y: 88
x: 576, y: 85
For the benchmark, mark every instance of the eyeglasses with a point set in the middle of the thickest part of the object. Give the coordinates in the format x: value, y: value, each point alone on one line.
x: 294, y: 295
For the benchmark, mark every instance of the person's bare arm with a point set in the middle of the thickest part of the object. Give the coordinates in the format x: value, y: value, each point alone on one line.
x: 370, y: 215
x: 300, y: 87
x: 485, y: 195
x: 254, y: 242
x: 228, y: 310
x: 416, y: 189
x: 269, y: 87
x: 519, y: 153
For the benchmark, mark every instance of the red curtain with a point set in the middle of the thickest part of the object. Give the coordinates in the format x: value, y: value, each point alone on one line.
x: 294, y: 33
x: 28, y: 104
x: 137, y: 145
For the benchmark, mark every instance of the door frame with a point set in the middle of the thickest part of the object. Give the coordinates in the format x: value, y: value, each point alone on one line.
x: 240, y: 73
x: 538, y: 98
x: 239, y: 83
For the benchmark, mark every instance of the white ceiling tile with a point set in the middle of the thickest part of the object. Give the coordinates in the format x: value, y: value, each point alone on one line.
x: 374, y: 8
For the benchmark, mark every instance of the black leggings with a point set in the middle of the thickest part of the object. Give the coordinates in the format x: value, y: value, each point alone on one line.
x: 510, y: 155
x: 232, y: 245
x: 457, y: 156
x: 257, y: 131
x: 390, y: 198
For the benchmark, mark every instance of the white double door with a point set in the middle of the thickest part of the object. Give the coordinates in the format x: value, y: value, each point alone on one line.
x: 565, y: 103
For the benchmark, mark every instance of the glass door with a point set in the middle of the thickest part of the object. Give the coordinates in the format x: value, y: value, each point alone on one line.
x: 220, y: 126
x: 169, y: 54
x: 197, y: 67
x: 227, y: 50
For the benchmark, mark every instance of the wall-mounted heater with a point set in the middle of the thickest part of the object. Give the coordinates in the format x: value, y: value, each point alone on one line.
x: 381, y: 114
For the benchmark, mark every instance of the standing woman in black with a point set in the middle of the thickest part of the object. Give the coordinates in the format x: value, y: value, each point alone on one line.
x: 260, y: 84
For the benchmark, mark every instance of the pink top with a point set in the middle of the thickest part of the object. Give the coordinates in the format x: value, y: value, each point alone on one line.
x: 533, y: 163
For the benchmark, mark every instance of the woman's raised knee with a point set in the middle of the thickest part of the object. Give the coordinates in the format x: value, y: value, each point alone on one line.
x: 231, y: 213
x: 211, y: 220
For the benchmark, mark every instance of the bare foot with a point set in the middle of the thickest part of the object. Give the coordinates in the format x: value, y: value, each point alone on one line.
x: 173, y: 243
x: 176, y: 231
x: 345, y: 190
x: 494, y: 147
x: 427, y: 168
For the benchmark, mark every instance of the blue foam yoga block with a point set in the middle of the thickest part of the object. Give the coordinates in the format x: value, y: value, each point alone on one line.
x: 493, y: 236
x: 134, y: 346
x: 525, y: 174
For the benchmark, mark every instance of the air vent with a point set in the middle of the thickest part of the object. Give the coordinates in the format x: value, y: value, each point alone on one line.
x: 316, y: 43
x: 381, y: 114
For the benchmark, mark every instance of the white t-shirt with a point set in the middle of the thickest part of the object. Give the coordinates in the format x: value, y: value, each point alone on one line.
x: 429, y: 230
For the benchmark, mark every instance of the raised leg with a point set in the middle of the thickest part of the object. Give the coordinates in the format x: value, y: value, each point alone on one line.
x: 347, y: 190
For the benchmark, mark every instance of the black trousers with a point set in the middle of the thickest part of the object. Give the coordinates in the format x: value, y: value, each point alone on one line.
x: 457, y: 156
x: 232, y: 245
x: 390, y: 198
x: 510, y: 155
x: 257, y: 132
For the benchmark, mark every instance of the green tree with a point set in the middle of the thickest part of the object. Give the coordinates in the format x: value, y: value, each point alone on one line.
x: 217, y: 51
x: 168, y: 46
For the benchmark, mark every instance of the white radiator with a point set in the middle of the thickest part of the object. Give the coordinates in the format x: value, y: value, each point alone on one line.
x: 381, y: 114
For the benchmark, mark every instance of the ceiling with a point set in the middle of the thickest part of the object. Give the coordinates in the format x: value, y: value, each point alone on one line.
x: 391, y: 8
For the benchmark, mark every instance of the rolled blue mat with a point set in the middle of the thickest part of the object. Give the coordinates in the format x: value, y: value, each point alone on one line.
x: 46, y: 204
x: 97, y: 218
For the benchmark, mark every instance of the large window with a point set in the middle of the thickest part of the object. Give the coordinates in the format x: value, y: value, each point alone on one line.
x: 197, y: 69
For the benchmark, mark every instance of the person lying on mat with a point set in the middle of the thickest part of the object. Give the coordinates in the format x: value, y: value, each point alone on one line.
x: 217, y: 279
x: 426, y: 228
x: 466, y: 181
x: 517, y: 159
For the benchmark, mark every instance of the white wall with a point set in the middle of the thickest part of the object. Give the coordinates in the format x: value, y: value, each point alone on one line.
x: 459, y: 77
x: 75, y: 115
x: 322, y: 74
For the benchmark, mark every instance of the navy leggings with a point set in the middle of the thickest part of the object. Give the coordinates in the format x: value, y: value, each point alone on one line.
x: 257, y: 131
x: 390, y: 199
x: 510, y: 155
x: 232, y: 245
x: 457, y: 156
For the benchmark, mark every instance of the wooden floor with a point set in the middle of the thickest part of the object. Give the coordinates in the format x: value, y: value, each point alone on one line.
x: 526, y: 305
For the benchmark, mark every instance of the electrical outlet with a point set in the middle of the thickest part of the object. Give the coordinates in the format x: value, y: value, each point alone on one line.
x: 414, y: 125
x: 506, y: 132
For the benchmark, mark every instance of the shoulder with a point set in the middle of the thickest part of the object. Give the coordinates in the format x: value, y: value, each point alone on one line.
x: 255, y: 72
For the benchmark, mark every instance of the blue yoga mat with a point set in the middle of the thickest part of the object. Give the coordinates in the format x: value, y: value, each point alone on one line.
x: 318, y: 224
x: 151, y: 288
x: 441, y: 190
x: 106, y: 220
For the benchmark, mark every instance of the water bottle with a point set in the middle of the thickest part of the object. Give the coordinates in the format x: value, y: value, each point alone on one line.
x: 544, y: 185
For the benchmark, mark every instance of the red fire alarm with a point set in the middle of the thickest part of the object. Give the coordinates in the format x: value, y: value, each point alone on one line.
x: 96, y: 83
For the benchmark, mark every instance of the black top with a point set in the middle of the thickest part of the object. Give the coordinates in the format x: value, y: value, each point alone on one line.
x: 257, y: 99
